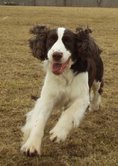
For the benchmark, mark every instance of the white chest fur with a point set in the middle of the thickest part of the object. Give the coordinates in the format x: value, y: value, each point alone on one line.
x: 65, y: 88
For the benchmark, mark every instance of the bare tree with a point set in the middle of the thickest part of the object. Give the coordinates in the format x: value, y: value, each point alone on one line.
x: 99, y: 2
x: 34, y: 2
x: 65, y: 2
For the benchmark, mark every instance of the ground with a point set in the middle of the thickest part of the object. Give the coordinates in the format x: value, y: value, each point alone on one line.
x: 95, y: 142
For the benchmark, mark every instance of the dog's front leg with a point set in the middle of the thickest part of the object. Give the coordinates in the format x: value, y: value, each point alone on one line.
x: 36, y: 124
x: 70, y: 118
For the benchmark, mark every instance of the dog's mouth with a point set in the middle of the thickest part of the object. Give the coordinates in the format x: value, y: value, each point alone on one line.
x: 58, y: 68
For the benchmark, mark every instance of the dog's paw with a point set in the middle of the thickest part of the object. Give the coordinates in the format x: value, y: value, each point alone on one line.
x: 58, y: 135
x: 30, y: 149
x: 94, y: 107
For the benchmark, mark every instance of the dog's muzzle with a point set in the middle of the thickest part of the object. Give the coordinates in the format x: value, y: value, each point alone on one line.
x: 58, y: 68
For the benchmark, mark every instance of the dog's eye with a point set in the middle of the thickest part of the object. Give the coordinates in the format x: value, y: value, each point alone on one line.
x: 66, y: 39
x: 51, y: 40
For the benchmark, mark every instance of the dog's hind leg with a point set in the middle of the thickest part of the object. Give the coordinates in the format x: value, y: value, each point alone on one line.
x: 96, y: 95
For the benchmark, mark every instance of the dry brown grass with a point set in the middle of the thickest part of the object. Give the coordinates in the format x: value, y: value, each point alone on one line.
x: 95, y: 142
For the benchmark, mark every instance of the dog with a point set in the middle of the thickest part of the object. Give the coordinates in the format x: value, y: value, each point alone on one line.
x: 73, y: 82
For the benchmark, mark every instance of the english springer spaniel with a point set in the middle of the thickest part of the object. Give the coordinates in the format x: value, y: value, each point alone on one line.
x: 74, y: 70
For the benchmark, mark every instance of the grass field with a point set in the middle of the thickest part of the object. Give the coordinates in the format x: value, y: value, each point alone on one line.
x: 95, y: 142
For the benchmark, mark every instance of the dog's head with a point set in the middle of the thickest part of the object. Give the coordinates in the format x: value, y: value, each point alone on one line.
x: 60, y: 46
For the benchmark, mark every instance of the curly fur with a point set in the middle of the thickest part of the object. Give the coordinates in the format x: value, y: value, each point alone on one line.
x: 37, y: 43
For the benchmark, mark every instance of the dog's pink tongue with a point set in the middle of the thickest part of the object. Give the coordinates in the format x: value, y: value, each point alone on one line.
x: 57, y: 68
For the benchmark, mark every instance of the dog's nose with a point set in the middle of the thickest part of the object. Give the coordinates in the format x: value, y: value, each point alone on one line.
x: 57, y: 56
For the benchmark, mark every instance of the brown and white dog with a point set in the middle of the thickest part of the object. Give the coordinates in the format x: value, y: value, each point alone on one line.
x: 74, y: 69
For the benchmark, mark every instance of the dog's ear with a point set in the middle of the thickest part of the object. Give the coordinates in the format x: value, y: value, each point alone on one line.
x: 80, y: 30
x: 82, y: 34
x: 81, y: 41
x: 85, y: 44
x: 38, y: 42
